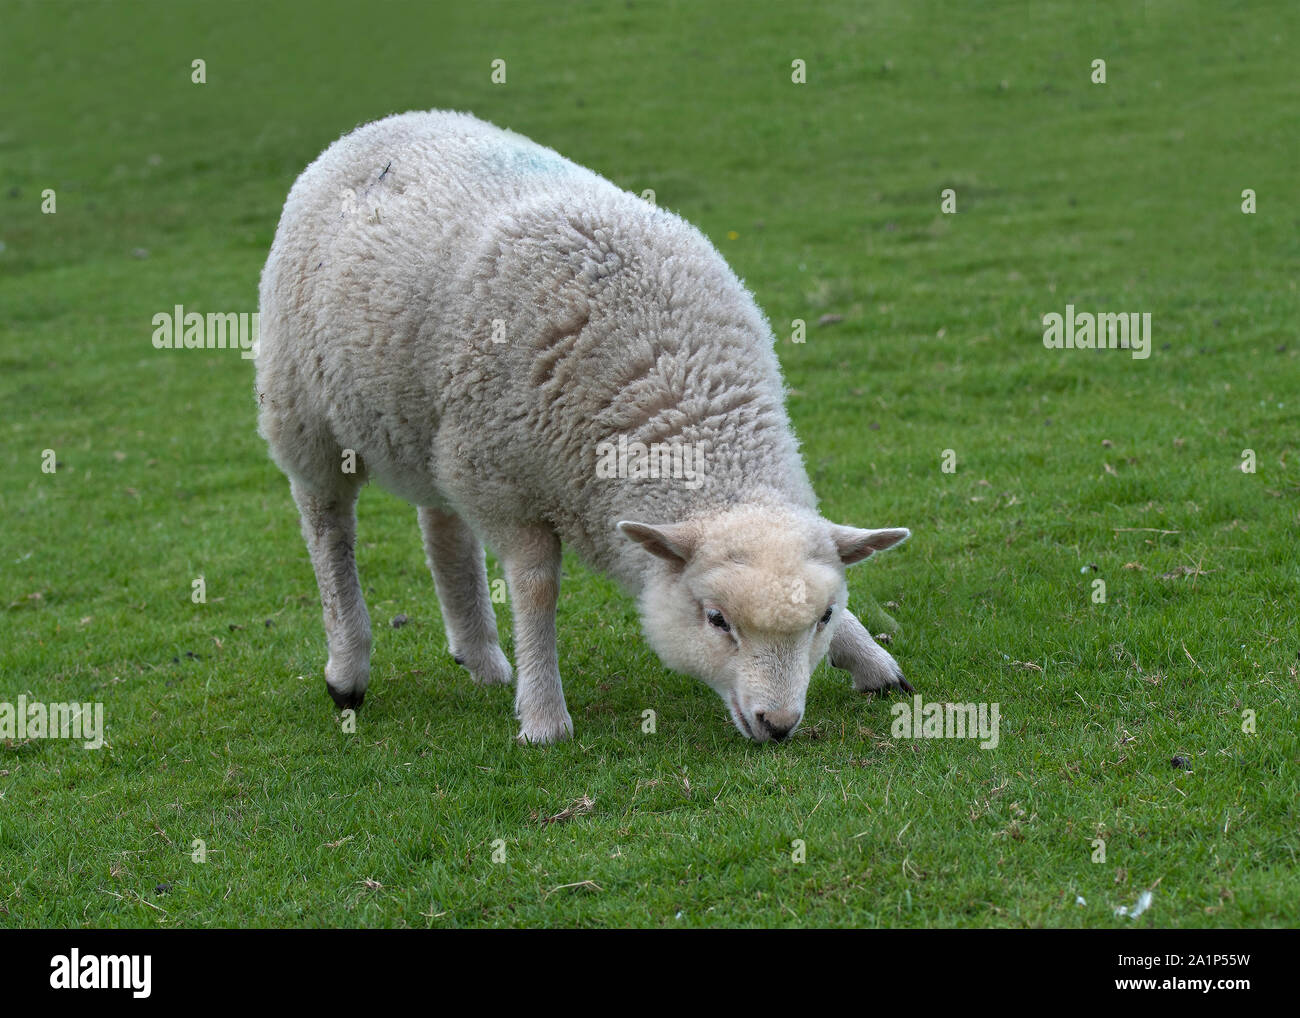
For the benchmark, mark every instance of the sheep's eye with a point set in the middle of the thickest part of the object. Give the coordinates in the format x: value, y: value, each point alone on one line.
x: 716, y: 619
x: 827, y: 617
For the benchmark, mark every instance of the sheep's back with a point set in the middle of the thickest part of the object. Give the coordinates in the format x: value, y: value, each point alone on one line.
x: 475, y: 314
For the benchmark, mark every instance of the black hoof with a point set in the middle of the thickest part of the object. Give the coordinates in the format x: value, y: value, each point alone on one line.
x: 345, y: 701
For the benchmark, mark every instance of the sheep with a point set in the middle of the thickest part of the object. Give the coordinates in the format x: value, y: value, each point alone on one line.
x: 496, y: 334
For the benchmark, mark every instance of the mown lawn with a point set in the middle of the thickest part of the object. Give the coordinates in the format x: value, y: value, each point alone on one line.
x: 1071, y: 467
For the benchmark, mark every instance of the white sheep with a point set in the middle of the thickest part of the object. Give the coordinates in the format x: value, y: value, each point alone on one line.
x: 534, y: 357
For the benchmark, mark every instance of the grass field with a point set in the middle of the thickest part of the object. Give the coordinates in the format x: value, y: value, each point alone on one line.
x: 1071, y: 466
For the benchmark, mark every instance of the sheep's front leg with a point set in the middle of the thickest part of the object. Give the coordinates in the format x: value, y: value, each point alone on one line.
x: 872, y: 667
x: 532, y: 565
x: 329, y: 525
x: 456, y: 560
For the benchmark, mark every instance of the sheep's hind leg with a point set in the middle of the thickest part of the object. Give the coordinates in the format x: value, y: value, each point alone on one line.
x: 329, y: 525
x: 873, y: 668
x: 532, y: 562
x: 455, y: 558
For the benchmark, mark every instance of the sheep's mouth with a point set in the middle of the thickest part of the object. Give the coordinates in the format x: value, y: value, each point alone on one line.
x: 742, y: 724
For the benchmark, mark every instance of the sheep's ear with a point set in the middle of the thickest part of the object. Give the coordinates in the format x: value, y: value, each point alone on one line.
x: 854, y: 545
x: 672, y: 541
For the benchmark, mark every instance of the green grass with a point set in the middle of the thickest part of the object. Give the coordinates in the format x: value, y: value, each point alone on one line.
x: 1070, y: 467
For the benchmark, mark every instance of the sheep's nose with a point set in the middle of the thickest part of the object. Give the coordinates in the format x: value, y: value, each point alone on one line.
x: 777, y: 724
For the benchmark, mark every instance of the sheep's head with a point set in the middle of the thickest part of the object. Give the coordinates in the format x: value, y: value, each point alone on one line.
x: 747, y: 600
